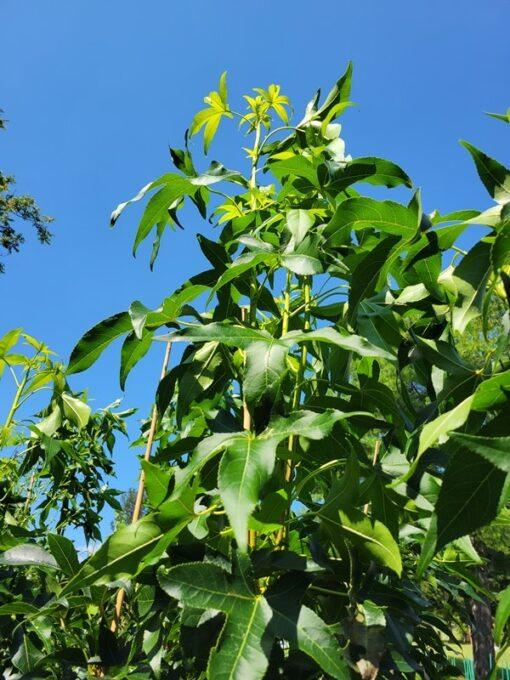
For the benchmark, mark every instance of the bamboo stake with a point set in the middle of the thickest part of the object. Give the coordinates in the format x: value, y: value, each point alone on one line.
x: 366, y: 668
x: 289, y: 463
x: 141, y: 485
x: 29, y: 492
x: 252, y: 534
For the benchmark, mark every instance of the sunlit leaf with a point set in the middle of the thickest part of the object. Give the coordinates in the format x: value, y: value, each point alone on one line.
x: 495, y: 177
x: 96, y: 340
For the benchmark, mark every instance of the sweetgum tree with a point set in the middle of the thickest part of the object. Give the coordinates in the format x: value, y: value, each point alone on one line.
x: 323, y: 449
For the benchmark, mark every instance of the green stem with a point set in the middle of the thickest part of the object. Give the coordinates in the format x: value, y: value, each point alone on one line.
x: 459, y: 250
x: 286, y: 303
x: 16, y: 401
x: 318, y: 298
x: 328, y: 591
x: 278, y: 129
x: 253, y: 301
x: 350, y: 590
x: 255, y: 157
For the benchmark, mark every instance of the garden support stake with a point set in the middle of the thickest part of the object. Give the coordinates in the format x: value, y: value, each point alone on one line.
x: 141, y: 485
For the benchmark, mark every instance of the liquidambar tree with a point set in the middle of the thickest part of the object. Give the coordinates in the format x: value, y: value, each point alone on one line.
x: 323, y: 450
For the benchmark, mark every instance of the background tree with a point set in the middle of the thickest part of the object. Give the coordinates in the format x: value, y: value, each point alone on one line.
x: 125, y: 513
x: 15, y: 209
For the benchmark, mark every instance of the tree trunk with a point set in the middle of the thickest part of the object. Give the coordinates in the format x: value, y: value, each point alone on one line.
x: 481, y: 625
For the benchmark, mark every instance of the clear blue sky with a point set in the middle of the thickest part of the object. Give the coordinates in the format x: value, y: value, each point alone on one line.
x: 95, y: 91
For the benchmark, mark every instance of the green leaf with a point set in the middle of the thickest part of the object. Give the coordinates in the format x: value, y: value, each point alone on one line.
x: 28, y: 554
x: 64, y: 553
x: 383, y: 506
x: 465, y: 546
x: 411, y: 294
x: 51, y: 423
x: 470, y: 278
x: 130, y: 549
x: 204, y: 369
x: 157, y: 482
x: 297, y: 166
x: 428, y: 270
x: 492, y: 392
x: 303, y: 628
x: 173, y: 304
x: 386, y: 173
x: 205, y: 451
x: 18, y: 608
x: 373, y: 614
x: 76, y: 410
x: 133, y: 349
x: 309, y: 424
x: 27, y: 657
x: 500, y: 252
x: 243, y: 264
x: 242, y: 652
x: 269, y: 516
x: 376, y: 396
x: 369, y: 271
x: 502, y: 615
x: 223, y: 88
x: 343, y: 495
x: 441, y: 426
x: 143, y: 191
x: 265, y: 369
x: 96, y: 340
x: 338, y: 94
x: 379, y: 324
x: 9, y: 340
x: 245, y: 467
x: 495, y: 177
x: 298, y: 222
x: 209, y: 118
x: 166, y: 389
x: 215, y: 252
x: 160, y: 230
x: 372, y: 538
x: 505, y: 117
x: 138, y: 314
x: 347, y: 341
x: 370, y: 169
x: 218, y: 173
x: 145, y: 599
x: 348, y: 174
x: 302, y: 265
x: 443, y: 355
x: 355, y: 214
x: 158, y: 206
x: 469, y: 497
x: 232, y: 335
x: 256, y: 244
x: 245, y: 461
x: 494, y: 449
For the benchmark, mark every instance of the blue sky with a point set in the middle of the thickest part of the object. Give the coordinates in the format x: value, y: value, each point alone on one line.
x: 95, y: 91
